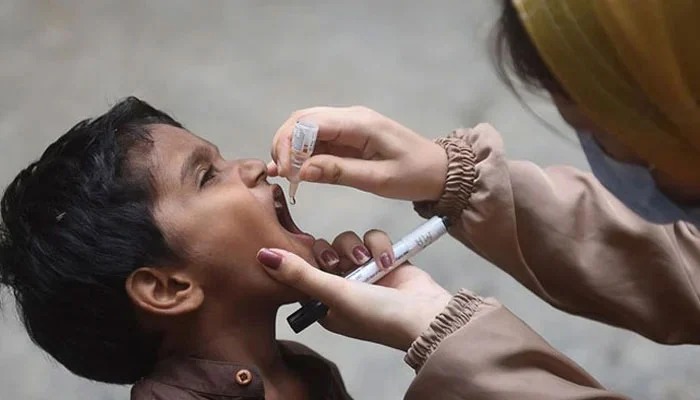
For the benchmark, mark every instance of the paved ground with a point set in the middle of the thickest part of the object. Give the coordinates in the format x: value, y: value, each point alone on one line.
x: 232, y: 71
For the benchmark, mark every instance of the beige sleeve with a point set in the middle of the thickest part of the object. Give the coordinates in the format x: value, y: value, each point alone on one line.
x: 476, y: 349
x: 565, y: 237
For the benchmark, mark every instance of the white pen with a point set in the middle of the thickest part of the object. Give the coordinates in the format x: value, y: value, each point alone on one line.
x: 407, y: 247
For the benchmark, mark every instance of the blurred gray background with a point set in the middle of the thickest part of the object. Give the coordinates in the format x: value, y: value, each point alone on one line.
x: 232, y: 71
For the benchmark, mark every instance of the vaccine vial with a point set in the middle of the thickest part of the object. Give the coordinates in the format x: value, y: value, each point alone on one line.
x: 303, y: 141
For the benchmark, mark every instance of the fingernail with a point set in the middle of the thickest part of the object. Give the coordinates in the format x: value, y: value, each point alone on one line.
x: 269, y: 258
x: 385, y: 260
x: 330, y: 258
x: 361, y: 254
x: 312, y: 173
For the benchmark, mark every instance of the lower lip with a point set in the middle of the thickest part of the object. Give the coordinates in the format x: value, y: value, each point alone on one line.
x: 305, y: 238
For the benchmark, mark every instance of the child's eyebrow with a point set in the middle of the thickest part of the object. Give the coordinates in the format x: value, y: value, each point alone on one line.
x: 198, y: 155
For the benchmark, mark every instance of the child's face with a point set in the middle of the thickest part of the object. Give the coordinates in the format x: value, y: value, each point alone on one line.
x: 217, y: 214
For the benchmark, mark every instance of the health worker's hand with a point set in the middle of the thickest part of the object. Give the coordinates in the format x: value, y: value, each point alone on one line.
x: 393, y: 312
x: 361, y: 148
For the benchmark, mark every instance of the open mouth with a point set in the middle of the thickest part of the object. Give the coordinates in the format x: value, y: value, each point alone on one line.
x: 282, y: 210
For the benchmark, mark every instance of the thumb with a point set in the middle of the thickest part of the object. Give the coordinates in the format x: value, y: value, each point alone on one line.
x: 366, y: 175
x: 294, y: 271
x: 272, y: 169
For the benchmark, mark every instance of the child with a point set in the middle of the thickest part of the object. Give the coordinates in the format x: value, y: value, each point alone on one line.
x: 130, y: 246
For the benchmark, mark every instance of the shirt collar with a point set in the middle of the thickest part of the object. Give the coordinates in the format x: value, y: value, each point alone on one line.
x: 219, y: 378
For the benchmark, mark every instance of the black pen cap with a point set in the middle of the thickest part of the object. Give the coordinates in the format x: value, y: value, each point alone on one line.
x: 307, y: 315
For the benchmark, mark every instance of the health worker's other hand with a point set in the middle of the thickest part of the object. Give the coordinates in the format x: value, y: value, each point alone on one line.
x: 361, y: 148
x: 394, y: 312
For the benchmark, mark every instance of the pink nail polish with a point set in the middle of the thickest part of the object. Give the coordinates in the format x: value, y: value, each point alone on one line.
x: 330, y: 258
x: 385, y: 260
x: 269, y: 258
x: 361, y: 254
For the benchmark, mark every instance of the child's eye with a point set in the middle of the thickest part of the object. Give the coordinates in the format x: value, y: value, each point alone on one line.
x: 208, y: 176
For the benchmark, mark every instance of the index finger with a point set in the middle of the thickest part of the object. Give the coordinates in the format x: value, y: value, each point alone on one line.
x: 344, y: 126
x: 281, y: 142
x: 294, y: 271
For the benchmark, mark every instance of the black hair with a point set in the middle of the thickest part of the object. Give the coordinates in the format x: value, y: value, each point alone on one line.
x: 515, y: 52
x: 75, y: 224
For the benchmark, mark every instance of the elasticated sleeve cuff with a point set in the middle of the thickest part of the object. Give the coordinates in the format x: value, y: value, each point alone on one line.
x: 458, y: 312
x: 459, y: 183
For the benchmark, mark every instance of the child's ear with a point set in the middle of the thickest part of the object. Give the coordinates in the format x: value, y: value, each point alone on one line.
x: 164, y: 291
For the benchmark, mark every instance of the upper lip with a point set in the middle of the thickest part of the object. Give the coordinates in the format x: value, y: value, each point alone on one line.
x: 279, y: 203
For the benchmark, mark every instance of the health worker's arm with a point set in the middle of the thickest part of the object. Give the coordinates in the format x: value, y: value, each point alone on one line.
x: 560, y: 233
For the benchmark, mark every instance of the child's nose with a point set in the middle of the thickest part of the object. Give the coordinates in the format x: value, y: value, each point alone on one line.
x: 252, y: 172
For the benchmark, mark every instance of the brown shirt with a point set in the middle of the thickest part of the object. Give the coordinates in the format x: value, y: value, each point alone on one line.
x: 192, y: 378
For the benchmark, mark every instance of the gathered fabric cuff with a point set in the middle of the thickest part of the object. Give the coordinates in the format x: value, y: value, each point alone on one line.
x: 458, y: 312
x: 459, y: 183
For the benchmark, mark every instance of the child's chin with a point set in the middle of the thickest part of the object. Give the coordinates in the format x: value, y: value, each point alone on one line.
x: 305, y: 252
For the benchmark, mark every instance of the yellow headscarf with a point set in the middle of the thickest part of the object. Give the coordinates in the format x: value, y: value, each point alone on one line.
x: 633, y: 66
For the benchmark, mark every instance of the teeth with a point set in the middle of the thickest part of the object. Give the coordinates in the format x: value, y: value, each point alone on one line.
x: 278, y: 204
